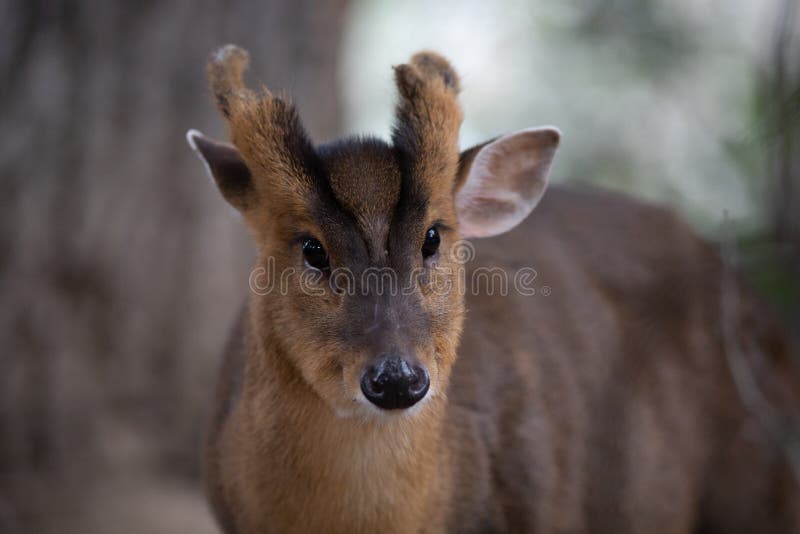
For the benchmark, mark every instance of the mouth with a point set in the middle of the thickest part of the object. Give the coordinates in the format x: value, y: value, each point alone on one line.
x: 369, y: 412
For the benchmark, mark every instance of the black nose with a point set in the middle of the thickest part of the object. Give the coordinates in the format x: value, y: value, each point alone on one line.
x: 391, y: 383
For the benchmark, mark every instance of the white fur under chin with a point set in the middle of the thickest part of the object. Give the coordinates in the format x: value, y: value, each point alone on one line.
x: 369, y: 413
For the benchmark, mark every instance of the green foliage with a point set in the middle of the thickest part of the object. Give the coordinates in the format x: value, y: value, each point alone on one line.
x: 774, y: 271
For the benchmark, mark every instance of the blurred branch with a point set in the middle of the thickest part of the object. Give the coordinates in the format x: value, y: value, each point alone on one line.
x: 784, y: 117
x: 746, y: 357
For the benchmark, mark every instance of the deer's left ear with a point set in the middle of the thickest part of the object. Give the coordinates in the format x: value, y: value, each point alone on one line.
x: 226, y: 166
x: 500, y: 182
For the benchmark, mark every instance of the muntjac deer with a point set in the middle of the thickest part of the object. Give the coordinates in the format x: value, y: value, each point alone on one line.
x: 603, y: 402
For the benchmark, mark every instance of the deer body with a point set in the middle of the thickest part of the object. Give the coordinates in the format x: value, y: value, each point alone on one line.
x: 602, y: 403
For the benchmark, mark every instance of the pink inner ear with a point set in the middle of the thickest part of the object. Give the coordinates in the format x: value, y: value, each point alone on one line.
x: 507, y: 179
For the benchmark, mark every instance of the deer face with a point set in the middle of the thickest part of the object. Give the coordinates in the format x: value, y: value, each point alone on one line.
x: 356, y: 239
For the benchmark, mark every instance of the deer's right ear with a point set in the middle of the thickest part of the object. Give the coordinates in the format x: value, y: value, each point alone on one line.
x: 500, y: 182
x: 226, y: 166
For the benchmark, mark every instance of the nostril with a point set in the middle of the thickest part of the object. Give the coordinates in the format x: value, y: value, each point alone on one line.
x: 420, y: 383
x: 371, y: 383
x: 377, y: 384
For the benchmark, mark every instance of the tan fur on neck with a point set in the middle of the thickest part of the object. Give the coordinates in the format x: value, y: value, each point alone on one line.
x: 383, y: 473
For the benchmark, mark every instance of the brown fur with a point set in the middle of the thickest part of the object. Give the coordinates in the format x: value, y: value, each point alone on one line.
x: 607, y: 406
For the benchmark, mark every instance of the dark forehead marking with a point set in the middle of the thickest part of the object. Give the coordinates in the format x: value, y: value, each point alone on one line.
x: 367, y: 196
x: 364, y: 179
x: 337, y: 223
x: 414, y: 192
x: 408, y: 218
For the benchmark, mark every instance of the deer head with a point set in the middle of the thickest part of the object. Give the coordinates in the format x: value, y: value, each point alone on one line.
x: 365, y: 230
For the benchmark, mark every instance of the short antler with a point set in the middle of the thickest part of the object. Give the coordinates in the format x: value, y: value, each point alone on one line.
x: 265, y: 128
x: 225, y: 71
x: 428, y: 116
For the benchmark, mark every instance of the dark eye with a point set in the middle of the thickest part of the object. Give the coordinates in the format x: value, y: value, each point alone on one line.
x: 315, y: 255
x: 431, y: 244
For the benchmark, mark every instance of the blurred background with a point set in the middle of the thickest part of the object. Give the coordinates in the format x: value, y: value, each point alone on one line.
x: 121, y: 268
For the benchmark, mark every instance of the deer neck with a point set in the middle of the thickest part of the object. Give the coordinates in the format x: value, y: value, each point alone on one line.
x: 340, y: 473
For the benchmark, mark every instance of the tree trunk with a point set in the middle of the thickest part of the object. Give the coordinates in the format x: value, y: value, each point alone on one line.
x: 121, y: 268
